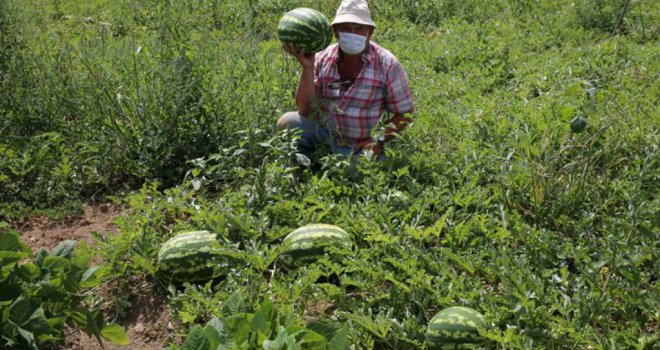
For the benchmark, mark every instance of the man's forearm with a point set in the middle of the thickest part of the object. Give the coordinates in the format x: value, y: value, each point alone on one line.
x: 305, y: 93
x: 395, y: 125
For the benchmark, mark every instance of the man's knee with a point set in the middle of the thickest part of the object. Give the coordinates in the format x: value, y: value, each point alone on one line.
x: 288, y: 120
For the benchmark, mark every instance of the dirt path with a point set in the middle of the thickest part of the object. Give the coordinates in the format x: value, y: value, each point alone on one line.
x: 39, y: 232
x: 148, y: 316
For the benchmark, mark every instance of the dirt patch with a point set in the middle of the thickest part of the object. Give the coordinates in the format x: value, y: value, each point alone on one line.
x: 147, y: 318
x: 146, y: 323
x: 39, y: 232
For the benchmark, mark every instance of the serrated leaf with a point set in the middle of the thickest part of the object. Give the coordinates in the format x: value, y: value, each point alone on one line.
x: 234, y: 304
x: 213, y: 335
x: 324, y: 328
x: 340, y: 341
x: 263, y: 318
x: 196, y: 340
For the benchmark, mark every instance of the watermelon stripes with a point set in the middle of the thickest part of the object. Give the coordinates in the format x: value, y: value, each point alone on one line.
x: 305, y: 28
x: 308, y: 242
x: 454, y: 325
x: 189, y: 257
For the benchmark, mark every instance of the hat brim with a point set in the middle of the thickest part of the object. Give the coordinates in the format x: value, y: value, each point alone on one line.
x: 349, y: 18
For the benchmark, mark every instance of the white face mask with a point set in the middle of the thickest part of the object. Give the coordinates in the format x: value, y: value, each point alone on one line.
x: 352, y: 44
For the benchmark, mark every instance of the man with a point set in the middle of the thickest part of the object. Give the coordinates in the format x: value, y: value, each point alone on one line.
x: 345, y: 89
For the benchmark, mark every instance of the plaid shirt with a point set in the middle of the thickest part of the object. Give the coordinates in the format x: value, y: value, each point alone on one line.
x: 381, y: 86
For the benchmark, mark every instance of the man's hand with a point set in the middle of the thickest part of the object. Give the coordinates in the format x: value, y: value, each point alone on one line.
x: 370, y: 145
x: 306, y: 60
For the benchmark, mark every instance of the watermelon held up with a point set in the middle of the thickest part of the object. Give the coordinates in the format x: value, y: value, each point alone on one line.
x: 193, y: 256
x: 305, y: 28
x: 307, y: 243
x: 453, y: 327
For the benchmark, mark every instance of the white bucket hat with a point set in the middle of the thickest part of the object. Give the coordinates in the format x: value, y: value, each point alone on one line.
x: 354, y: 11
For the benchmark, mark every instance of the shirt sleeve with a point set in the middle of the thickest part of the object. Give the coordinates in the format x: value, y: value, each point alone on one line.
x: 398, y: 97
x: 317, y: 75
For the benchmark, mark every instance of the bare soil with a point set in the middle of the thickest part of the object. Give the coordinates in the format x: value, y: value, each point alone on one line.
x: 39, y: 232
x: 148, y: 316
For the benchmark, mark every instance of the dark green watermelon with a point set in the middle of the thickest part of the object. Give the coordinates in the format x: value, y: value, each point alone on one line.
x: 305, y: 28
x: 190, y: 257
x: 307, y: 243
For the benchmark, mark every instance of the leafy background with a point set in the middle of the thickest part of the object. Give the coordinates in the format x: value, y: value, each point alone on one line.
x: 487, y: 201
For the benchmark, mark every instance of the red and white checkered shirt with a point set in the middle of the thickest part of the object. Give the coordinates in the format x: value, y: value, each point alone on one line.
x: 381, y: 85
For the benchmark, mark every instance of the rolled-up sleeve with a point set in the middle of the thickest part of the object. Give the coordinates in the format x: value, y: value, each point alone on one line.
x: 398, y: 97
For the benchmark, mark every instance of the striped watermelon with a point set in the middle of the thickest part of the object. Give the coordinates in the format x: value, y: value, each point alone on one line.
x: 454, y: 326
x: 189, y: 257
x: 305, y: 28
x: 307, y: 243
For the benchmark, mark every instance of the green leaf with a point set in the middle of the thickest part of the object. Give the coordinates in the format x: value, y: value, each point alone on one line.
x: 92, y: 277
x: 89, y: 323
x: 324, y: 328
x: 21, y: 310
x: 41, y: 255
x: 9, y: 242
x: 64, y: 248
x: 9, y: 258
x: 279, y: 343
x: 309, y: 337
x: 263, y: 317
x: 234, y: 304
x: 38, y: 323
x: 56, y: 264
x: 567, y: 113
x: 213, y: 335
x: 196, y: 340
x: 115, y: 334
x: 29, y: 337
x: 9, y: 291
x: 340, y: 340
x: 30, y: 271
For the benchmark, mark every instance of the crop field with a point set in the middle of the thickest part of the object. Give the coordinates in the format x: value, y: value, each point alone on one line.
x: 166, y: 110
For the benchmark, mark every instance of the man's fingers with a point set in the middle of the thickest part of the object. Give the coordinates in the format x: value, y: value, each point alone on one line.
x: 289, y: 49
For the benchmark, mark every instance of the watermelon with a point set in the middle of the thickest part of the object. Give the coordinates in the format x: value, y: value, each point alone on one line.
x: 453, y: 327
x: 307, y: 243
x: 578, y: 124
x: 305, y: 28
x: 190, y: 257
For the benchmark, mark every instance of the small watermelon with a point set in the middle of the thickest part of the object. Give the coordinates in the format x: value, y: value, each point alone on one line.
x: 454, y: 326
x: 307, y: 243
x: 305, y: 28
x: 578, y: 124
x: 190, y: 257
